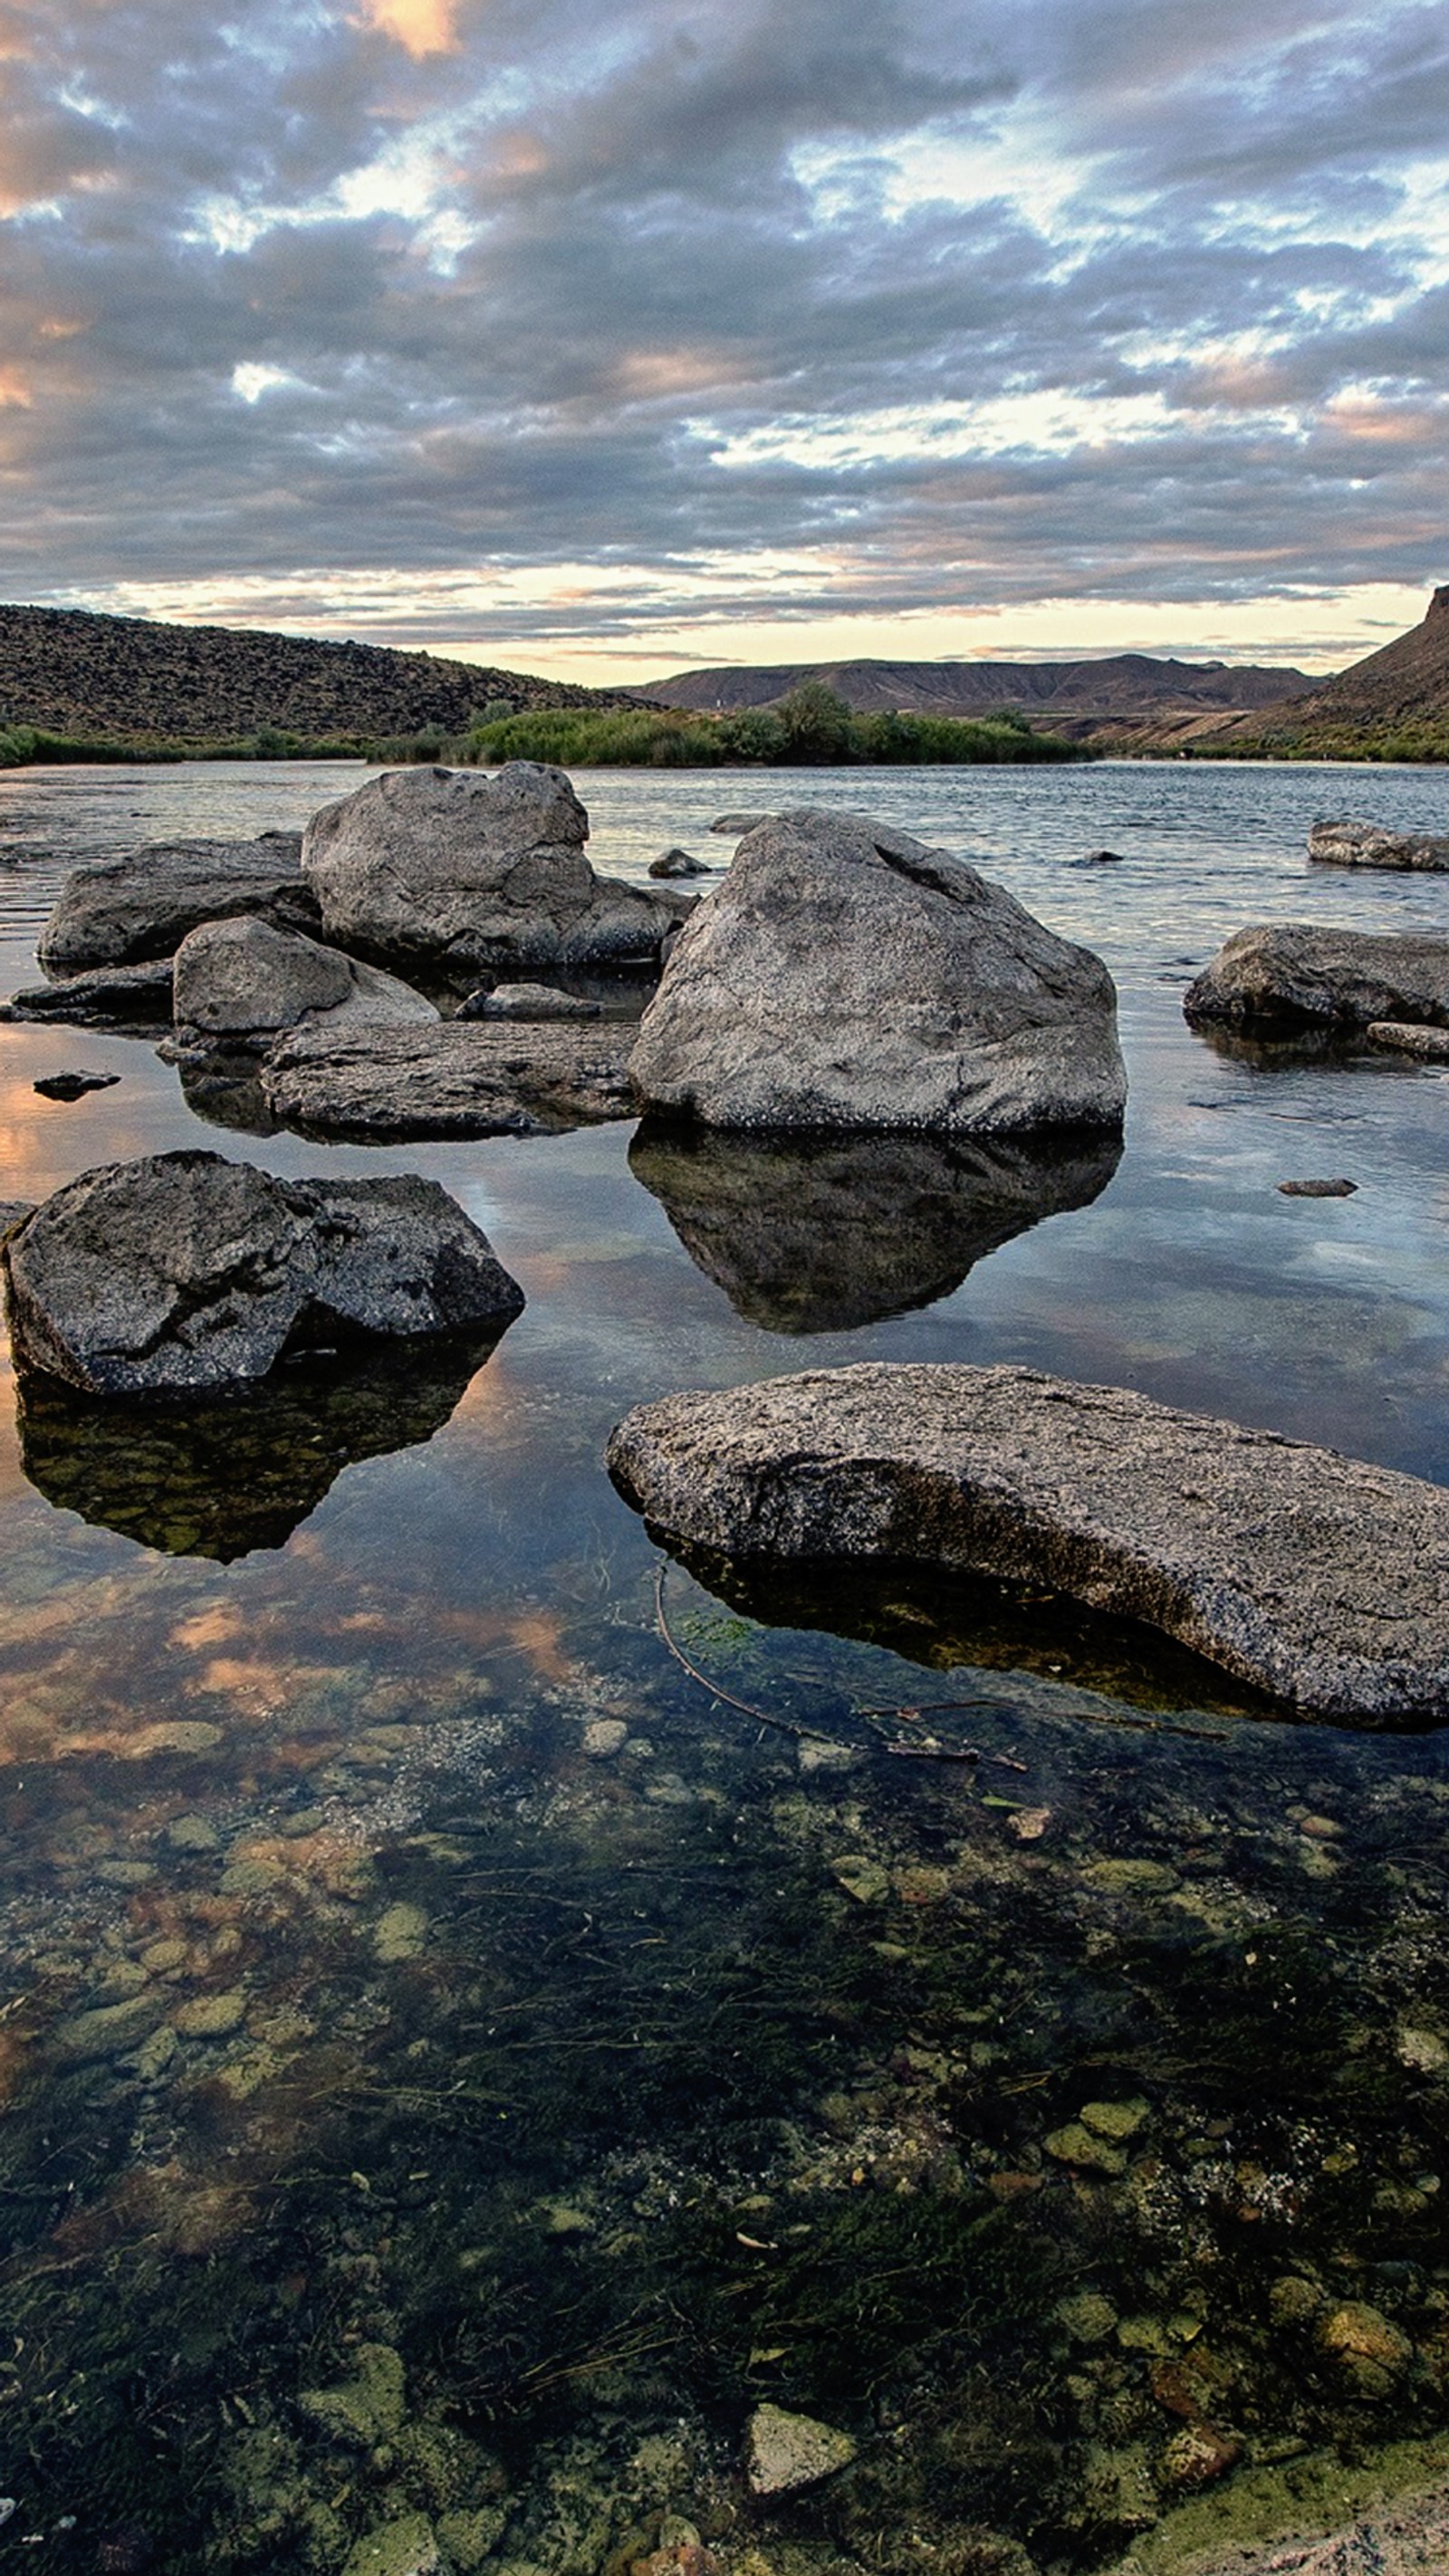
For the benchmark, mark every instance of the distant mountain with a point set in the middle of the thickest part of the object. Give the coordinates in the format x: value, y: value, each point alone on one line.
x: 131, y: 679
x: 1394, y: 703
x: 1080, y: 698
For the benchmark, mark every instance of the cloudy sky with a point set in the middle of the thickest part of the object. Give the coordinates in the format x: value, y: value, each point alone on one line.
x: 608, y: 336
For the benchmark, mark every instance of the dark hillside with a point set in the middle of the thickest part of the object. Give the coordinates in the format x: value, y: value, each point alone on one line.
x: 1394, y: 705
x: 1080, y: 697
x: 128, y: 679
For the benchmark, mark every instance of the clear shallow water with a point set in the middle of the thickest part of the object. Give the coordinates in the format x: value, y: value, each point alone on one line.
x: 559, y: 2096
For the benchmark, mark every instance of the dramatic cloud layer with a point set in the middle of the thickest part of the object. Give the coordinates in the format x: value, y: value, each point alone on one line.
x: 634, y: 331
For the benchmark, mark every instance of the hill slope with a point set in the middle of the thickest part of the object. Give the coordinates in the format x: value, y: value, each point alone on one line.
x: 1394, y: 703
x: 129, y: 679
x: 1080, y: 698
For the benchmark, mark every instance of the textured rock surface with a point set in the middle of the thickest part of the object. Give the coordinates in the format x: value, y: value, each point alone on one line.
x: 471, y: 872
x: 843, y: 975
x: 1343, y: 843
x: 1291, y: 974
x: 528, y: 1002
x: 242, y: 982
x: 183, y: 1272
x: 142, y: 906
x: 821, y: 1234
x: 104, y: 997
x: 1403, y: 2538
x: 786, y: 2451
x: 468, y: 1078
x: 1406, y: 1039
x: 1320, y: 1579
x: 679, y: 863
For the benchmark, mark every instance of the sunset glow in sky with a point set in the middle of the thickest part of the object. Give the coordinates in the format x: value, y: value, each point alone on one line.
x: 608, y: 340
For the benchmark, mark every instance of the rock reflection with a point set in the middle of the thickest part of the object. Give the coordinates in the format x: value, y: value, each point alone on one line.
x: 220, y: 1479
x: 822, y: 1234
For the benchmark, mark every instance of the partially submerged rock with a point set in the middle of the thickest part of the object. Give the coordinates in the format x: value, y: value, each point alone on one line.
x: 467, y: 872
x: 1338, y: 1188
x: 72, y: 1086
x: 462, y: 1078
x: 241, y: 983
x: 124, y: 998
x: 678, y: 863
x: 182, y: 1273
x: 1290, y: 974
x: 527, y: 1002
x: 222, y: 1475
x: 1406, y: 1039
x: 735, y: 826
x: 1341, y: 842
x: 1321, y: 1580
x: 142, y: 906
x: 844, y: 975
x: 821, y: 1234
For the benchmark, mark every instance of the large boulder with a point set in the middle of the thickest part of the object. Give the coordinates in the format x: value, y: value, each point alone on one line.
x: 1318, y: 1579
x: 821, y: 1234
x: 1341, y: 842
x: 125, y: 910
x: 241, y: 983
x: 1290, y: 974
x: 467, y: 872
x: 462, y: 1078
x: 182, y: 1272
x: 844, y: 975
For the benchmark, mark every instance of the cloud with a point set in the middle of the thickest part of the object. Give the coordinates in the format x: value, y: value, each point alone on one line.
x: 575, y: 323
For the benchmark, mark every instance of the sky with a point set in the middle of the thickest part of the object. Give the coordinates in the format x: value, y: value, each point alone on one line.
x: 605, y: 338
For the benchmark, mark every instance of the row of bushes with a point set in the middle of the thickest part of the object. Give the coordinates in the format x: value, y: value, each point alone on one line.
x: 25, y: 746
x: 811, y: 727
x: 1416, y: 740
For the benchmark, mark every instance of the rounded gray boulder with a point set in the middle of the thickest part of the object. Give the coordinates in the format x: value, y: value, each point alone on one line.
x: 187, y: 1273
x: 1292, y: 974
x: 240, y: 983
x: 844, y: 975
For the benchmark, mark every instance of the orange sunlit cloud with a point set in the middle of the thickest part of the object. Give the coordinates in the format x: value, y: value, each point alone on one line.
x: 422, y: 26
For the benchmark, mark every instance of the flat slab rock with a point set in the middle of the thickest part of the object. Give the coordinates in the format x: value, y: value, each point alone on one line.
x: 1319, y: 1579
x: 1344, y: 843
x: 141, y: 906
x: 1407, y: 1039
x: 1293, y: 974
x: 468, y: 1078
x: 104, y: 997
x: 181, y: 1273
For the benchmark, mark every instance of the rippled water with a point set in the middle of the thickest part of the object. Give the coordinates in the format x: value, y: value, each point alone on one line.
x: 456, y: 2067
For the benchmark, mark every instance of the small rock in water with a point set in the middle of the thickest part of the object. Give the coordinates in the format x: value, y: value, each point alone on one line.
x: 788, y: 2451
x: 739, y: 824
x: 679, y: 863
x: 72, y: 1086
x: 526, y: 1002
x: 604, y: 1737
x: 1338, y: 1189
x: 1410, y: 1037
x: 1102, y: 859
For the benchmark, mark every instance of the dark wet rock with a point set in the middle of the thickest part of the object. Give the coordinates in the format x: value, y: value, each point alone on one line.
x: 1321, y: 1580
x: 824, y: 1233
x: 1292, y: 974
x: 1339, y: 1189
x: 183, y: 1273
x: 736, y: 825
x: 466, y: 872
x: 678, y: 863
x: 142, y: 906
x: 844, y: 975
x: 241, y: 983
x: 72, y: 1086
x: 1344, y: 843
x: 223, y: 1086
x: 455, y: 1080
x: 220, y: 1477
x: 527, y: 1002
x: 1102, y: 859
x: 1401, y: 1035
x: 124, y: 998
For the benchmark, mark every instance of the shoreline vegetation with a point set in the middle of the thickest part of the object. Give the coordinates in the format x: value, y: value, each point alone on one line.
x: 811, y: 728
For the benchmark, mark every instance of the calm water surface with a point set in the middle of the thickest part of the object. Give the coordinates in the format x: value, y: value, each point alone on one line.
x: 456, y: 2067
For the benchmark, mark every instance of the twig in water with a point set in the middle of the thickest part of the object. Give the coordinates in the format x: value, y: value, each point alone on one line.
x: 762, y: 1716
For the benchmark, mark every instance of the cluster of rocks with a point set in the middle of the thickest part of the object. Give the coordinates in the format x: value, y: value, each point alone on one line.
x: 1342, y: 842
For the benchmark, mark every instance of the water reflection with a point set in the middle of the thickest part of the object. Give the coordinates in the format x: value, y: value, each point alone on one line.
x: 822, y: 1234
x: 219, y: 1479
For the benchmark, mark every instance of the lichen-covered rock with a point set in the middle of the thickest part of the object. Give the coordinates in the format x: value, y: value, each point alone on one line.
x: 462, y: 1078
x: 183, y: 1272
x: 1341, y: 842
x: 786, y: 2451
x: 820, y: 1234
x: 844, y: 975
x: 470, y: 872
x: 1319, y: 1579
x: 126, y: 910
x: 1289, y: 974
x: 240, y: 983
